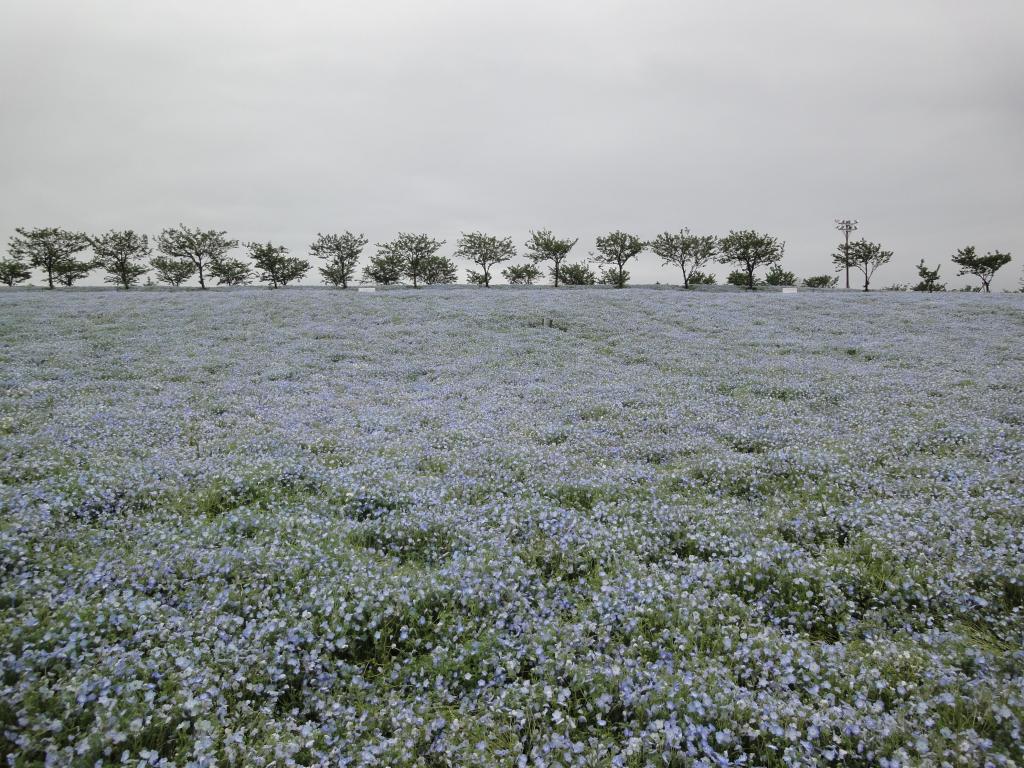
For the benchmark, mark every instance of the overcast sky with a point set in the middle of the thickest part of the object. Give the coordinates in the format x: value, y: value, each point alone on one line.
x: 276, y: 120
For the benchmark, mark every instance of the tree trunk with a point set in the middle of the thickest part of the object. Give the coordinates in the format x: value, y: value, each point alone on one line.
x: 556, y: 272
x: 985, y: 283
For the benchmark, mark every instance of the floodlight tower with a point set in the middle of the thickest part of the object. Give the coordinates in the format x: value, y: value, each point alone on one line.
x: 846, y: 226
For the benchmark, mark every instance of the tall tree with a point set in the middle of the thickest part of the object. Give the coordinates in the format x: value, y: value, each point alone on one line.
x: 201, y: 247
x: 615, y: 250
x: 982, y: 267
x: 689, y: 252
x: 486, y: 251
x: 408, y: 252
x: 750, y: 251
x: 864, y: 256
x: 53, y: 250
x: 13, y: 271
x: 230, y: 271
x: 120, y: 254
x: 544, y: 246
x: 341, y: 253
x: 275, y: 266
x: 171, y: 270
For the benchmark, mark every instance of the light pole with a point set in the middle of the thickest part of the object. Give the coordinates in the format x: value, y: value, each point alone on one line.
x: 846, y: 226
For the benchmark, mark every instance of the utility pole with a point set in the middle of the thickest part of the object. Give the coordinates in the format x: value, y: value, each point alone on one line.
x: 846, y: 226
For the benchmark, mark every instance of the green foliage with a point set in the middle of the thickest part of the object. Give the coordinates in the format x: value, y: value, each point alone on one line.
x: 822, y: 281
x: 409, y: 254
x: 386, y: 268
x: 485, y: 251
x: 476, y: 278
x: 173, y: 271
x: 341, y: 253
x: 438, y: 270
x: 684, y: 250
x: 864, y: 256
x: 737, y: 277
x: 201, y: 247
x: 543, y: 246
x: 779, y: 276
x: 521, y: 274
x: 613, y: 277
x: 578, y: 274
x: 13, y: 271
x: 702, y: 278
x: 275, y: 267
x: 982, y: 267
x: 929, y: 279
x: 615, y: 250
x: 231, y: 271
x: 750, y: 250
x: 53, y: 250
x: 120, y: 254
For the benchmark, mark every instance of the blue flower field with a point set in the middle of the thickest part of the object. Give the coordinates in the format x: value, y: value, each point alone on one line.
x: 425, y: 528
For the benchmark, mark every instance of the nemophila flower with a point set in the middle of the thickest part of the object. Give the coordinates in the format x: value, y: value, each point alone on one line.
x: 317, y: 528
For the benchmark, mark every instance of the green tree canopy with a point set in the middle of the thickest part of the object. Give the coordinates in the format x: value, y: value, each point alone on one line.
x: 201, y: 247
x: 341, y: 252
x: 750, y: 250
x: 53, y: 250
x: 274, y: 265
x: 982, y: 267
x: 864, y: 256
x: 615, y: 250
x: 486, y: 251
x: 121, y: 253
x: 689, y: 252
x: 544, y: 246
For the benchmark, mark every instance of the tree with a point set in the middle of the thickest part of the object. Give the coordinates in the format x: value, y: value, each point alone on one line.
x: 13, y: 271
x: 822, y: 281
x: 578, y: 274
x: 929, y: 278
x: 779, y: 276
x: 750, y: 250
x: 521, y: 274
x: 862, y: 255
x: 408, y: 253
x: 485, y: 251
x: 438, y: 270
x: 688, y: 252
x: 120, y: 254
x: 274, y: 265
x: 53, y: 250
x: 544, y: 246
x: 982, y: 267
x: 341, y: 253
x: 615, y: 250
x: 231, y: 271
x: 71, y: 271
x: 201, y: 247
x: 171, y: 270
x: 385, y: 268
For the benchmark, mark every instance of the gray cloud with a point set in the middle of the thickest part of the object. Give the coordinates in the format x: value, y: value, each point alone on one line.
x: 278, y: 120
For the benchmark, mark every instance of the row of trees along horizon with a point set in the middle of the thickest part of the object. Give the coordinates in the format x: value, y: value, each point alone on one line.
x: 184, y: 253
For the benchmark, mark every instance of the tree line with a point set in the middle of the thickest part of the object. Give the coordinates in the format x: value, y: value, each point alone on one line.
x: 184, y: 253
